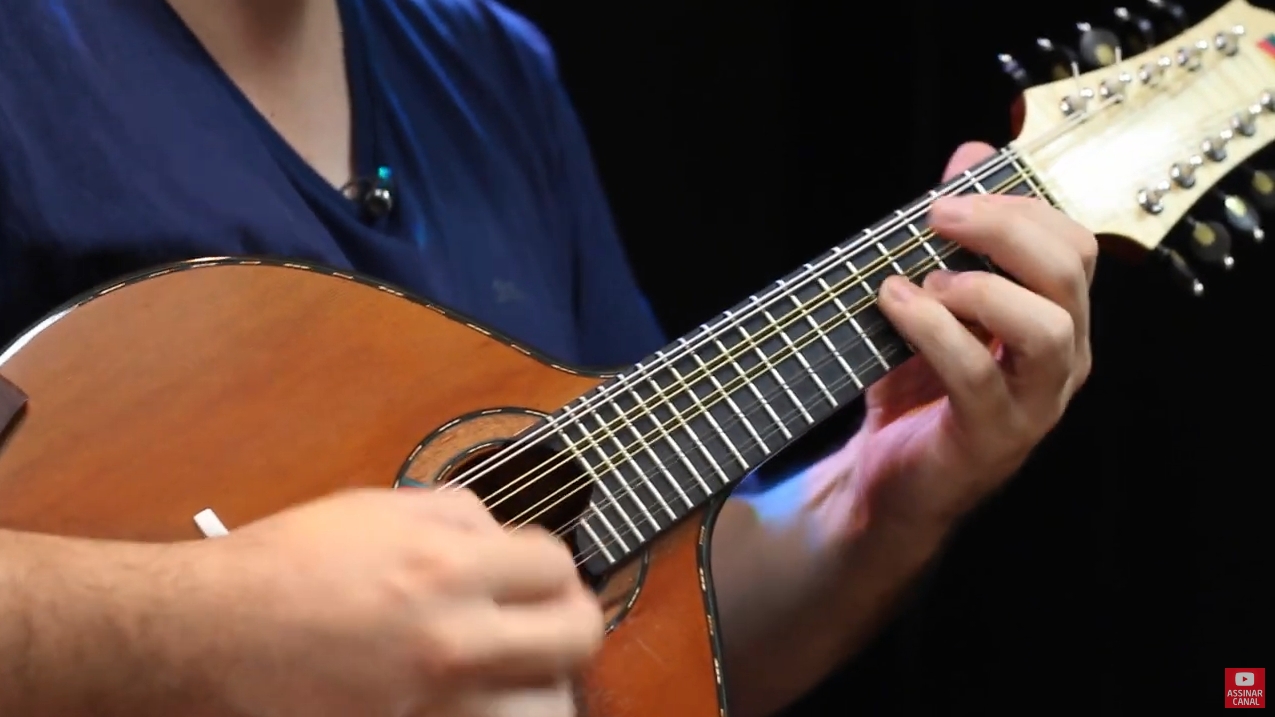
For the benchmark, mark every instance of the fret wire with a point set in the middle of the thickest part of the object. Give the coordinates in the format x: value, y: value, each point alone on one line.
x: 761, y: 400
x: 765, y: 361
x: 597, y: 481
x: 565, y: 415
x: 832, y: 348
x: 801, y: 358
x: 730, y: 402
x: 686, y: 428
x: 851, y: 374
x: 856, y: 273
x: 859, y: 274
x: 601, y: 544
x: 655, y: 460
x: 583, y: 520
x: 870, y: 294
x: 677, y: 449
x: 641, y: 475
x: 826, y: 361
x: 690, y: 391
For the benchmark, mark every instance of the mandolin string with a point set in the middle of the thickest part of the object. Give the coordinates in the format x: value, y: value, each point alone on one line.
x: 765, y: 301
x: 630, y: 488
x: 740, y: 381
x: 582, y: 557
x: 665, y: 396
x: 761, y: 306
x: 593, y: 436
x: 613, y: 541
x: 1005, y: 157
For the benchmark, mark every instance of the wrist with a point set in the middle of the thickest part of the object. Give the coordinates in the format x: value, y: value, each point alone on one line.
x: 109, y: 630
x: 861, y: 524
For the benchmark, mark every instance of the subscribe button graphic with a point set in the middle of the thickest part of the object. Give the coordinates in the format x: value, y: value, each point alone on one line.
x: 1246, y: 687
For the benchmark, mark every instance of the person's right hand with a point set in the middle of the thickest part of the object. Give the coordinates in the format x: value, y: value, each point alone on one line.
x: 414, y: 603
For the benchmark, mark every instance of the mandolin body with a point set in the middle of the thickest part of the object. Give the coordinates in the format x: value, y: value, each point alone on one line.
x: 247, y: 387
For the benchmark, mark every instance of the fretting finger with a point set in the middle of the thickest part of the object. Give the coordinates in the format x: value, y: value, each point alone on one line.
x: 1038, y: 335
x: 975, y: 384
x: 1032, y: 242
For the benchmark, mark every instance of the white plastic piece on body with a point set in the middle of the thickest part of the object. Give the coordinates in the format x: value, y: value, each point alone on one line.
x: 210, y: 525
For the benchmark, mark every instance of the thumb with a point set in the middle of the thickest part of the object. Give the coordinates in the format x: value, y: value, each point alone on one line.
x: 966, y: 156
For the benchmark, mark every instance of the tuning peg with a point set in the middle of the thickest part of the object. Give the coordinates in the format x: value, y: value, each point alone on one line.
x: 1097, y: 47
x: 1258, y: 185
x: 1136, y: 33
x: 1209, y: 242
x: 1012, y: 67
x: 1180, y: 272
x: 1170, y: 17
x: 1238, y: 214
x: 1060, y: 62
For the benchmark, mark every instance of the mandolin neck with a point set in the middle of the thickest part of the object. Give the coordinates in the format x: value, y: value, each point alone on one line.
x: 691, y: 420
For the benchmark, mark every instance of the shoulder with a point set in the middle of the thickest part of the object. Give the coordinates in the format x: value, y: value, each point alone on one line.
x: 484, y: 30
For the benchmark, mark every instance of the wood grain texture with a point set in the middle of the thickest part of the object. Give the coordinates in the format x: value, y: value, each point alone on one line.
x: 248, y: 387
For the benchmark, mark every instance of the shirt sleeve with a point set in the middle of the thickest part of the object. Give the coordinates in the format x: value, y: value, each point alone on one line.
x: 614, y: 321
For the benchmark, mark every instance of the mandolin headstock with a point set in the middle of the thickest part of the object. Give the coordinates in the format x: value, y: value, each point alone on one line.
x: 1132, y: 148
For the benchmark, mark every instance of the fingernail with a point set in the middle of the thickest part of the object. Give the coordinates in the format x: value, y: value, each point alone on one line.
x: 938, y: 279
x: 899, y: 288
x: 952, y: 209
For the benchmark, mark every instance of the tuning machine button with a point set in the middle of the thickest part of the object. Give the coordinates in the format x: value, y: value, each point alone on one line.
x: 1179, y: 270
x: 1267, y: 100
x: 1259, y: 185
x: 1209, y: 242
x: 1238, y: 214
x: 1061, y: 62
x: 1136, y: 32
x: 1151, y: 199
x: 1215, y: 147
x: 1097, y: 47
x: 1015, y: 70
x: 1183, y: 173
x: 1170, y: 18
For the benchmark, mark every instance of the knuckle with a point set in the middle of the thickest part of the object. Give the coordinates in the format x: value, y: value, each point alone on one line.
x: 1060, y: 333
x: 446, y: 569
x: 441, y: 654
x: 1062, y: 277
x: 982, y: 373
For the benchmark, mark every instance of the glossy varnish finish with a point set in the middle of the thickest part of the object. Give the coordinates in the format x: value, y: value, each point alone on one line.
x: 248, y: 387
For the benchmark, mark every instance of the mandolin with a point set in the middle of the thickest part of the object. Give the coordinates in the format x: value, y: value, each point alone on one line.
x: 197, y: 397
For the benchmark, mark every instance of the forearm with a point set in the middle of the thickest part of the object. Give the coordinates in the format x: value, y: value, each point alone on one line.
x: 82, y: 629
x: 804, y: 579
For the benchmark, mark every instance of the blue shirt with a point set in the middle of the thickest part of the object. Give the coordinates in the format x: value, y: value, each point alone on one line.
x: 123, y: 146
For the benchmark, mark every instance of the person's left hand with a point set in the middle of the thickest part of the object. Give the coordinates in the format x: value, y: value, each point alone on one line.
x: 953, y: 423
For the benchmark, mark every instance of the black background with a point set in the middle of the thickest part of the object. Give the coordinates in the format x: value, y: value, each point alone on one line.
x: 1128, y: 564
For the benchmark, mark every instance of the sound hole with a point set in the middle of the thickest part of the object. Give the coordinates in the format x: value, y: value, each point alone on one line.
x: 527, y: 485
